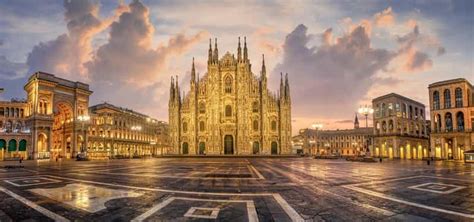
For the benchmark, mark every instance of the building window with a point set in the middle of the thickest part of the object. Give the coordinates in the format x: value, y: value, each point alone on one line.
x: 185, y: 127
x: 435, y: 100
x: 255, y: 107
x: 274, y: 125
x: 202, y: 126
x: 449, y: 122
x: 447, y: 99
x: 2, y: 111
x: 202, y: 107
x: 255, y: 125
x: 458, y: 95
x: 460, y: 121
x: 383, y: 110
x: 228, y: 111
x: 410, y: 112
x: 228, y: 84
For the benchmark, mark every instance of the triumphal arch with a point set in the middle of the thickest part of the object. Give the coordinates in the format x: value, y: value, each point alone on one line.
x: 56, y: 105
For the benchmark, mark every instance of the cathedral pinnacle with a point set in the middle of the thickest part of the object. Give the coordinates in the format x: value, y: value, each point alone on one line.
x: 193, y: 73
x: 239, y: 52
x: 216, y: 54
x: 245, y: 49
x: 209, y: 59
x: 264, y: 69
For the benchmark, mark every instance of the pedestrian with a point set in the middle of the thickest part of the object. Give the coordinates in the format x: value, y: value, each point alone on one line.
x: 428, y: 161
x: 21, y: 159
x: 380, y: 159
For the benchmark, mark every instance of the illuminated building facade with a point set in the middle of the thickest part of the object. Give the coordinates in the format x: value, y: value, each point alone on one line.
x: 452, y: 115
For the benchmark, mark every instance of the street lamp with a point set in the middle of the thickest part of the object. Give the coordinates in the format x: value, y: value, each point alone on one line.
x: 83, y: 119
x: 366, y: 110
x: 137, y: 129
x: 317, y: 127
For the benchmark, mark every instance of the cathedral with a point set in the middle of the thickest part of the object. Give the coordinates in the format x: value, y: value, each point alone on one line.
x: 230, y: 110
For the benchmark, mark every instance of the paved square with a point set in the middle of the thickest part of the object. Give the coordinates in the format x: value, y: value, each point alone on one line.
x: 438, y: 188
x: 85, y: 197
x: 30, y: 181
x: 202, y: 212
x: 238, y: 189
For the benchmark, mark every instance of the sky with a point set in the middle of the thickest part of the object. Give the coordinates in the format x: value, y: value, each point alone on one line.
x: 339, y: 55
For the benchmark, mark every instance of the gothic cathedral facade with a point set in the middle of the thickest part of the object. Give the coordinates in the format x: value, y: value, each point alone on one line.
x: 230, y: 110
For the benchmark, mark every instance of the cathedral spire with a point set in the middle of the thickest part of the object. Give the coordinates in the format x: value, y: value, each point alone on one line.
x: 193, y: 73
x: 245, y: 50
x: 282, y: 88
x: 264, y: 69
x: 287, y: 87
x: 177, y: 90
x: 216, y: 53
x: 209, y: 58
x: 356, y: 122
x: 239, y: 52
x: 172, y: 89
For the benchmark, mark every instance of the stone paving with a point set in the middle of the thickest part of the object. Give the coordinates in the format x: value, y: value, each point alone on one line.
x: 236, y: 189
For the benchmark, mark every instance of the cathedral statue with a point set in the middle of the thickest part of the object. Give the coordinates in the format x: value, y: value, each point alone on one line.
x: 230, y: 110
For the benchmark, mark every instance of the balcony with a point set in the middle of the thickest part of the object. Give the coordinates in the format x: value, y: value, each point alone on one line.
x: 451, y: 131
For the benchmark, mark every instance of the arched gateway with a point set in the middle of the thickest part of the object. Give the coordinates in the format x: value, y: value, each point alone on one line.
x: 56, y: 105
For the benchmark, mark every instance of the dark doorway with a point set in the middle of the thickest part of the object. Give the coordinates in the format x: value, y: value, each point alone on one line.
x: 274, y: 148
x: 256, y: 147
x: 228, y: 144
x: 185, y: 148
x: 202, y: 148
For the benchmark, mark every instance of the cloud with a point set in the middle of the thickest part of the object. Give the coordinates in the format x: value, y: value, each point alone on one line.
x: 335, y: 74
x: 384, y: 18
x: 66, y: 54
x: 11, y: 70
x: 412, y: 59
x: 129, y: 56
x: 344, y: 121
x: 1, y: 42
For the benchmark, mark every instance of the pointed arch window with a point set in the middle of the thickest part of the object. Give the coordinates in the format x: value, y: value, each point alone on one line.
x: 228, y: 111
x: 185, y: 127
x: 202, y: 108
x: 255, y: 125
x: 255, y: 107
x: 202, y: 126
x: 274, y: 125
x: 228, y: 84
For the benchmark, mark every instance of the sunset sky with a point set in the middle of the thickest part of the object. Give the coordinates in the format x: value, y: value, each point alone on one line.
x: 338, y: 54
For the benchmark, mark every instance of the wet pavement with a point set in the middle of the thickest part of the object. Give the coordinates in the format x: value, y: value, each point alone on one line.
x: 236, y: 189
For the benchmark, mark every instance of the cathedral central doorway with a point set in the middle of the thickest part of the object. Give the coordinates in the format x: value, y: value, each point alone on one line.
x: 274, y: 148
x: 202, y: 148
x: 185, y: 148
x: 228, y: 144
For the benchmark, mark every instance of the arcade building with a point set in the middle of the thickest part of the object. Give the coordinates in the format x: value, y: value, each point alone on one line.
x: 55, y: 121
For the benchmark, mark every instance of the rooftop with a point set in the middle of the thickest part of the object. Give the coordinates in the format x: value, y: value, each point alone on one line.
x: 64, y: 82
x: 105, y: 105
x: 449, y: 81
x: 397, y: 96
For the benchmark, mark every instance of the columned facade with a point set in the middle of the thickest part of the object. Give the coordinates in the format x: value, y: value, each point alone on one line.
x: 116, y: 132
x: 400, y: 128
x: 452, y: 118
x: 15, y: 137
x: 55, y: 105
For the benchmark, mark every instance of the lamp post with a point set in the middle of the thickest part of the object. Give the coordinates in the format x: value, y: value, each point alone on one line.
x: 366, y: 110
x: 317, y: 127
x: 136, y: 129
x: 83, y: 119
